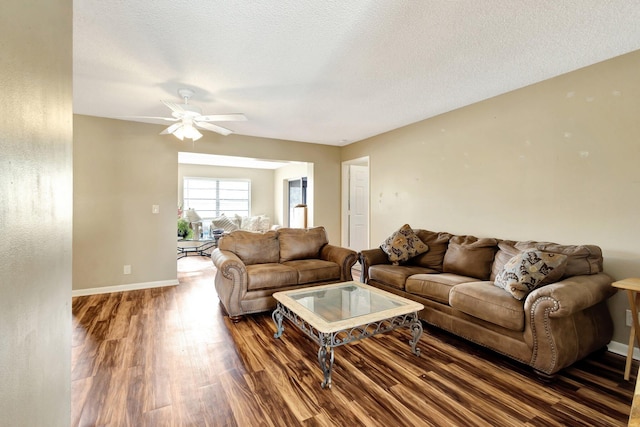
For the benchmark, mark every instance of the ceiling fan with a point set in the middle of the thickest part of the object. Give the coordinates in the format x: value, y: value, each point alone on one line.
x: 188, y: 116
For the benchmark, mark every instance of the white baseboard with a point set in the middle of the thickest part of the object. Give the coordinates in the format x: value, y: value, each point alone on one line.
x: 122, y: 288
x: 621, y: 349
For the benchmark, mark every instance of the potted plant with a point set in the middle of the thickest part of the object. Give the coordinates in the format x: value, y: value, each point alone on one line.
x: 184, y: 231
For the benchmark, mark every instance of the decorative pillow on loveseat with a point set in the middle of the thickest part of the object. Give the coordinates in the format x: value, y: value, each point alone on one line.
x: 528, y: 270
x: 259, y: 223
x: 403, y: 245
x: 250, y: 223
x: 225, y: 223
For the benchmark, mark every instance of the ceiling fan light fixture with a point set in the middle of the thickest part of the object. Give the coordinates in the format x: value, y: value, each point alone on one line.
x: 191, y: 132
x: 179, y: 133
x: 186, y: 130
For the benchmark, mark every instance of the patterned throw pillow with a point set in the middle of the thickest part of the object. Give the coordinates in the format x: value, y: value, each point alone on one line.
x: 250, y: 223
x: 224, y: 223
x: 264, y: 223
x: 403, y: 245
x: 527, y: 270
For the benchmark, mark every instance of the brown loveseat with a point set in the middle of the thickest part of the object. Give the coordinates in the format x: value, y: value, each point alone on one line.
x: 554, y: 325
x: 253, y: 266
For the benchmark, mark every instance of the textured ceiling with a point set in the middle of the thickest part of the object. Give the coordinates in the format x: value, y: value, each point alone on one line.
x: 332, y: 72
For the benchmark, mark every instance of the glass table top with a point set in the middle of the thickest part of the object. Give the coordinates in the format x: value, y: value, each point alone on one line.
x: 344, y: 301
x: 190, y: 243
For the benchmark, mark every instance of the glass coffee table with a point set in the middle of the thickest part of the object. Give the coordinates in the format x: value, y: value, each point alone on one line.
x: 340, y: 313
x: 202, y: 247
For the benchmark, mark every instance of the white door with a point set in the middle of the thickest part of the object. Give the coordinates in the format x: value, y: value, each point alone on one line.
x: 358, y: 211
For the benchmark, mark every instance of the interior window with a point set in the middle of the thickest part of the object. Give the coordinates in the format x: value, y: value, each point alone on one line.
x: 212, y: 197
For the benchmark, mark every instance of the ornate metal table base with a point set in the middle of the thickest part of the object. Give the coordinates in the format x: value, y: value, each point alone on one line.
x: 328, y: 341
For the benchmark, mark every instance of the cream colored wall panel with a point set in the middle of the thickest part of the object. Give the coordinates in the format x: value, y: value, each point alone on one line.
x: 120, y: 172
x: 35, y: 213
x: 554, y: 161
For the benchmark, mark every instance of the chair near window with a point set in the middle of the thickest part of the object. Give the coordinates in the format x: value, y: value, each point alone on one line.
x: 196, y: 223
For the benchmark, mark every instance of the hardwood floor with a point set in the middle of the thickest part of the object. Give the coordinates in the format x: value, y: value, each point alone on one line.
x: 168, y: 357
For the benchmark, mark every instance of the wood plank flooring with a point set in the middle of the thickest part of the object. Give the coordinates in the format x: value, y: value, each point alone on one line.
x: 168, y: 357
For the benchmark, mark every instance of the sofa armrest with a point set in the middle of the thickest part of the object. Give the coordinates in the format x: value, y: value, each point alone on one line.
x: 573, y: 294
x: 567, y: 320
x: 369, y: 257
x: 344, y: 257
x: 230, y: 280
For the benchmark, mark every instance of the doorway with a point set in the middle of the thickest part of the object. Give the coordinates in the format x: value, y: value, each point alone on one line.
x: 355, y: 204
x: 297, y: 202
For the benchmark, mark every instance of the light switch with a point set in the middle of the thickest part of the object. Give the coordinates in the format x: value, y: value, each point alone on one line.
x: 155, y: 209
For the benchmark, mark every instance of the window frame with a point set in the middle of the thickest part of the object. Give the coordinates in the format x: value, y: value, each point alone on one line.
x: 204, y: 213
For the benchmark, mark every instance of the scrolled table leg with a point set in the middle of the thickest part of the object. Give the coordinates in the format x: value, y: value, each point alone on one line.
x: 416, y: 333
x: 277, y: 319
x: 325, y: 359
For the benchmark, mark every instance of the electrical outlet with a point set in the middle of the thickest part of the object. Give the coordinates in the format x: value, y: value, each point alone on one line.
x: 630, y: 318
x: 155, y: 209
x: 127, y: 269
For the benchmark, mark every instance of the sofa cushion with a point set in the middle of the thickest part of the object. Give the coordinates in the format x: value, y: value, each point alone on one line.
x: 438, y: 244
x: 435, y: 286
x: 527, y: 270
x: 395, y: 276
x: 470, y: 256
x: 487, y: 302
x: 581, y: 259
x: 252, y: 248
x: 270, y: 276
x: 506, y: 250
x: 301, y: 243
x: 402, y: 245
x: 314, y: 270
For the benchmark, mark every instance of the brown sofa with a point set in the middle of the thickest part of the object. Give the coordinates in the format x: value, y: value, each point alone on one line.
x: 552, y: 327
x: 253, y: 266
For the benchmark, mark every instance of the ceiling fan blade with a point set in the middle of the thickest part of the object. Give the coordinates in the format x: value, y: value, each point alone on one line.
x: 234, y: 117
x: 168, y: 119
x: 214, y: 128
x: 173, y: 106
x: 171, y: 129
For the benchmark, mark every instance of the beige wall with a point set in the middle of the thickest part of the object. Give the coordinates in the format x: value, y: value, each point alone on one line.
x: 120, y: 171
x: 555, y: 161
x: 262, y: 190
x: 122, y: 168
x: 35, y: 213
